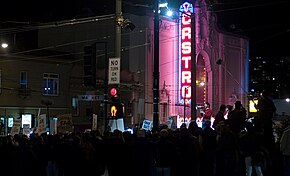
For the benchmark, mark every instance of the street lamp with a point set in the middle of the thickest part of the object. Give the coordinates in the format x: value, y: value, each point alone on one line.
x: 4, y: 45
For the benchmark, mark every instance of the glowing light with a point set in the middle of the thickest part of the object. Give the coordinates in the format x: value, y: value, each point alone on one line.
x: 113, y: 91
x: 202, y: 83
x: 288, y: 100
x: 252, y: 105
x: 4, y: 45
x: 113, y: 111
x: 169, y: 13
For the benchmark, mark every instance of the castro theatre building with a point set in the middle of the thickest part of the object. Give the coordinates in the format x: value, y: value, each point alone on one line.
x: 221, y: 63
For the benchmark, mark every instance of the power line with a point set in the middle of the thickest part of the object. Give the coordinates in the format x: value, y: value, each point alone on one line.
x: 54, y: 24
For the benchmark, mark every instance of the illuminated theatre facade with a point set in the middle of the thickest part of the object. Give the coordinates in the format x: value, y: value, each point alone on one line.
x: 221, y: 63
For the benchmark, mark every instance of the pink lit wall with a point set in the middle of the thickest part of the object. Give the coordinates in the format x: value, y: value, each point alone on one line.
x: 214, y: 83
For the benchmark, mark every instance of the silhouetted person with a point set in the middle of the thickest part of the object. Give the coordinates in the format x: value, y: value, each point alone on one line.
x: 219, y: 116
x: 116, y: 151
x: 98, y: 144
x: 266, y: 109
x: 251, y: 143
x: 285, y: 148
x: 226, y: 158
x: 142, y: 154
x: 188, y: 151
x: 209, y: 145
x: 195, y: 130
x: 25, y: 159
x: 164, y: 154
x: 236, y: 118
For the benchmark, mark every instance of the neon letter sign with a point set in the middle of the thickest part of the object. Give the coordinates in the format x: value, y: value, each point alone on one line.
x: 185, y: 91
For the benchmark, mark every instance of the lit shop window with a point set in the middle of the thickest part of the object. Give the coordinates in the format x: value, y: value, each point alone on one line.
x: 50, y: 84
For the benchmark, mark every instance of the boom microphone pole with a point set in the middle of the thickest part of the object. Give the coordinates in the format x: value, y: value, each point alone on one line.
x: 219, y: 62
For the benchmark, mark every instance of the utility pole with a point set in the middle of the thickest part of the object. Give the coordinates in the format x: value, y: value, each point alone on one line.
x: 118, y: 29
x: 106, y: 87
x: 156, y: 68
x: 118, y: 17
x: 193, y: 66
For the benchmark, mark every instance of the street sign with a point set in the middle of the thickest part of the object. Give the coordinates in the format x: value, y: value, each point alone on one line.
x: 114, y: 70
x: 91, y: 97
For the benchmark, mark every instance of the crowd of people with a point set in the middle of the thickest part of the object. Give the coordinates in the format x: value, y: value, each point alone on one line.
x: 231, y: 147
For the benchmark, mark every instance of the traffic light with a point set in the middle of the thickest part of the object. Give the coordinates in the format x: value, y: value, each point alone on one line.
x: 114, y: 94
x: 116, y: 110
x: 90, y: 65
x: 116, y: 107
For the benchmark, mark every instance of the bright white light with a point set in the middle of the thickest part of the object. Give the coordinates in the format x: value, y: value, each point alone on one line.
x: 169, y: 13
x: 4, y: 45
x: 288, y: 100
x: 202, y: 83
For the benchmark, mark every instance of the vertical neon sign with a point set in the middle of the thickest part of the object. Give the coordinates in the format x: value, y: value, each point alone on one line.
x: 185, y: 90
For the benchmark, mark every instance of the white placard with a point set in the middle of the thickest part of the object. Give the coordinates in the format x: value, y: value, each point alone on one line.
x: 53, y: 126
x: 26, y: 119
x: 147, y: 125
x: 41, y: 123
x: 16, y: 127
x: 26, y: 129
x: 117, y: 124
x: 114, y: 70
x: 10, y: 121
x: 95, y: 120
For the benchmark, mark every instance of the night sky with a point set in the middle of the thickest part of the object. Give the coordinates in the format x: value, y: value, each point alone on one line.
x: 264, y: 22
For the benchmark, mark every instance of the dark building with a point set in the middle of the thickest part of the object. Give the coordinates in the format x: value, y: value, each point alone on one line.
x: 270, y: 73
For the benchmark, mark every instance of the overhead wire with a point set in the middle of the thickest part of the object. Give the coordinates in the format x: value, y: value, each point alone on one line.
x: 86, y: 20
x: 37, y: 26
x: 92, y: 19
